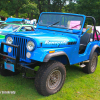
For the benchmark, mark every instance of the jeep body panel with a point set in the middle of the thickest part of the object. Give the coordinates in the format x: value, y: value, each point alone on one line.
x: 71, y: 50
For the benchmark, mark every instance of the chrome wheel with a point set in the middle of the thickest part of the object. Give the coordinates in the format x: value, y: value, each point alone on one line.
x: 54, y: 79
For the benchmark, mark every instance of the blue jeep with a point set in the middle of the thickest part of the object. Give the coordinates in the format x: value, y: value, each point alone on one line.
x: 60, y: 39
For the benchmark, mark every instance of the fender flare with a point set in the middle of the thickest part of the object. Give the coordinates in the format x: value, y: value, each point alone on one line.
x: 49, y: 56
x: 93, y: 49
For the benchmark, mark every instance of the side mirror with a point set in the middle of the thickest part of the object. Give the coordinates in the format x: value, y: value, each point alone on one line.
x: 84, y: 30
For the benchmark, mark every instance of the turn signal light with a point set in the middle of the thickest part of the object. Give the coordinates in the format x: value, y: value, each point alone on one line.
x: 51, y: 51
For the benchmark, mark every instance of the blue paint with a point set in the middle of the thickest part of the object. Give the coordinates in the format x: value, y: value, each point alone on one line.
x: 15, y: 20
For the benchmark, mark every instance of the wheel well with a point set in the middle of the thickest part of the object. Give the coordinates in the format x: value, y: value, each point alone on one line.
x: 96, y: 48
x: 62, y: 58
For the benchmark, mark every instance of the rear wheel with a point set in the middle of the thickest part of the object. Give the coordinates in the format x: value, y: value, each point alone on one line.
x: 91, y: 66
x: 50, y: 78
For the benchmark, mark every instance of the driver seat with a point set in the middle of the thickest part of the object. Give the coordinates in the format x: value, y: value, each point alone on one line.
x: 85, y: 39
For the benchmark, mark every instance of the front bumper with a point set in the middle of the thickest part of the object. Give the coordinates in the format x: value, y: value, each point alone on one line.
x: 22, y: 66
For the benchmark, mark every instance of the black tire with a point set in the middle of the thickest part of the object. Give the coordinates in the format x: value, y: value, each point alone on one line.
x: 5, y: 72
x: 91, y: 66
x: 52, y: 72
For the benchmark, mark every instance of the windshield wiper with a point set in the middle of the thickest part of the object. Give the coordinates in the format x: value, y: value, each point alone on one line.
x: 53, y: 24
x: 75, y: 25
x: 72, y: 27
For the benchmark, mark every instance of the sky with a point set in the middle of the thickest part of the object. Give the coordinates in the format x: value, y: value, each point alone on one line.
x: 67, y: 2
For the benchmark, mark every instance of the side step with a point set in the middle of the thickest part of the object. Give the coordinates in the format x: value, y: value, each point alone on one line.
x: 82, y: 65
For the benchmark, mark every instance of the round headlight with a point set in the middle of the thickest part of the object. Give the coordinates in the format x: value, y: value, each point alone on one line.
x: 30, y: 45
x: 9, y: 40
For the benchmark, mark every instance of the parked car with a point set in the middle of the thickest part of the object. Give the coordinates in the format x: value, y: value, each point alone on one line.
x: 1, y: 22
x: 57, y: 41
x: 98, y: 33
x: 34, y: 22
x: 5, y: 28
x: 15, y: 25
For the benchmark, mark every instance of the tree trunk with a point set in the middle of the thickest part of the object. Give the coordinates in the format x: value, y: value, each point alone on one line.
x: 48, y: 9
x: 39, y: 6
x: 16, y: 14
x: 31, y: 16
x: 28, y: 15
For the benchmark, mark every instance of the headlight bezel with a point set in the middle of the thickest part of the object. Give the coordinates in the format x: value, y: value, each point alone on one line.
x: 9, y: 41
x: 30, y: 43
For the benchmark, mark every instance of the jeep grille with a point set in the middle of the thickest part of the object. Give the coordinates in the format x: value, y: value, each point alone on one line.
x: 22, y: 43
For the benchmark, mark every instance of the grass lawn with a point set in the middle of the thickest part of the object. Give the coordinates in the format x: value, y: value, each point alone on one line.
x: 78, y: 86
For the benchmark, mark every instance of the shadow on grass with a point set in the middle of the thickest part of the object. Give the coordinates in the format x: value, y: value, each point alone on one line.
x: 73, y: 72
x: 25, y: 87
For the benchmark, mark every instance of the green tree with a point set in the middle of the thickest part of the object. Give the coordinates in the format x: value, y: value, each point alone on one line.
x: 30, y: 8
x: 14, y: 6
x: 3, y: 9
x: 3, y: 4
x: 57, y: 5
x: 50, y: 5
x: 3, y: 13
x: 89, y: 8
x: 19, y: 7
x: 70, y: 8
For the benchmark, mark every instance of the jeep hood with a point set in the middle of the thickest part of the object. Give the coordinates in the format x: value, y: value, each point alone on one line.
x: 50, y: 39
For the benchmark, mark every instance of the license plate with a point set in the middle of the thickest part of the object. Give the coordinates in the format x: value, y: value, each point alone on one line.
x: 9, y: 66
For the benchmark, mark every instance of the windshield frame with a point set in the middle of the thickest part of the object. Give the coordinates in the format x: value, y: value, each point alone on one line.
x: 64, y: 14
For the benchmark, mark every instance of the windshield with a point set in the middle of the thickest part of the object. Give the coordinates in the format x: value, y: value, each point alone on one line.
x: 9, y: 26
x: 61, y: 21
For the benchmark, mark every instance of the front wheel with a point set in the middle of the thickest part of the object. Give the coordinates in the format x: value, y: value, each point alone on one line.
x: 50, y: 78
x: 91, y: 66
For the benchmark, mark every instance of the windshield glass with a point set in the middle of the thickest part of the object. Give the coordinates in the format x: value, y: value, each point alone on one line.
x: 9, y: 26
x: 61, y: 21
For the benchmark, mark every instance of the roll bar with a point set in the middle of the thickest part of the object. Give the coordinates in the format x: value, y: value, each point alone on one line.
x: 94, y: 24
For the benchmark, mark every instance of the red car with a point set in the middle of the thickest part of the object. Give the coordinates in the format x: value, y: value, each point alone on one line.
x: 98, y: 32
